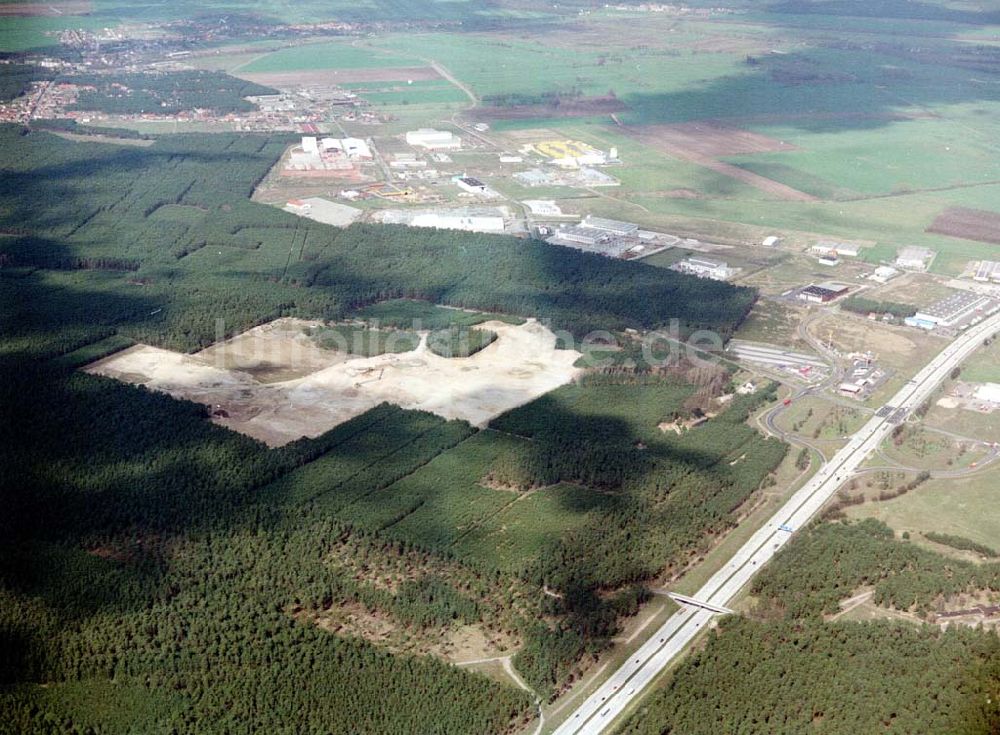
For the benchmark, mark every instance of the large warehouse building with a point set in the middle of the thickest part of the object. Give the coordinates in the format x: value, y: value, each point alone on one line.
x: 717, y: 270
x: 987, y: 270
x: 611, y: 226
x: 988, y: 392
x: 354, y: 148
x: 829, y: 247
x: 469, y: 222
x: 914, y: 258
x: 596, y: 234
x: 952, y: 310
x: 433, y: 139
x: 823, y: 293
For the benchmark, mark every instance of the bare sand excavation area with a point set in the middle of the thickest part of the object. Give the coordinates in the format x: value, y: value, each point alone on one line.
x: 274, y: 384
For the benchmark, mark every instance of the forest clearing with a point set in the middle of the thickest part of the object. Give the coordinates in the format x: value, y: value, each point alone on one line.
x: 326, y: 387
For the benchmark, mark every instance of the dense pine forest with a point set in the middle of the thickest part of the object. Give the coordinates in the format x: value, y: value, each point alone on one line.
x: 162, y: 241
x: 164, y: 94
x: 160, y: 573
x: 785, y: 670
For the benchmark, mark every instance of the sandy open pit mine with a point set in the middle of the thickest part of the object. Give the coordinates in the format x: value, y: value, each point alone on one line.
x: 274, y: 384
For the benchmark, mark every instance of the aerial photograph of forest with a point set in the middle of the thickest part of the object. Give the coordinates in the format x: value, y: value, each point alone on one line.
x: 500, y: 367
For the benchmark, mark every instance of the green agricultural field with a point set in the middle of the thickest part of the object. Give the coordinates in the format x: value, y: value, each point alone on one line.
x: 983, y: 366
x: 900, y: 156
x: 923, y: 449
x: 961, y: 507
x: 471, y: 12
x: 326, y: 55
x: 405, y: 93
x: 23, y: 33
x: 815, y: 418
x: 537, y: 64
x: 893, y: 139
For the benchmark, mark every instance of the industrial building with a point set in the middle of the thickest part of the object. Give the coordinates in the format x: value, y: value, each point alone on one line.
x: 313, y: 154
x: 407, y: 160
x: 597, y: 234
x: 988, y: 393
x: 353, y: 148
x: 597, y: 230
x: 571, y: 153
x: 884, y: 273
x: 611, y: 226
x: 828, y: 260
x: 583, y: 235
x: 823, y: 293
x: 273, y: 102
x: 469, y: 223
x: 471, y: 185
x: 469, y: 219
x: 951, y: 310
x: 717, y: 270
x: 544, y: 208
x: 828, y: 247
x: 987, y: 270
x: 433, y: 139
x: 914, y: 258
x: 580, y: 178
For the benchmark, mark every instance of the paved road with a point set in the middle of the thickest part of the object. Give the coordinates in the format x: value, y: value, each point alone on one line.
x: 605, y: 704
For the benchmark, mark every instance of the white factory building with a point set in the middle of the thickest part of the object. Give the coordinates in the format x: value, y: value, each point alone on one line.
x: 471, y: 184
x: 988, y: 393
x: 704, y: 268
x: 354, y: 148
x: 914, y: 258
x: 611, y: 226
x: 987, y: 270
x: 952, y: 310
x: 469, y: 223
x: 884, y: 273
x: 433, y: 139
x: 828, y: 247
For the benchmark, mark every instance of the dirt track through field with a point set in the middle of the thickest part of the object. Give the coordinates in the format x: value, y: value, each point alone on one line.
x: 707, y: 138
x: 701, y: 143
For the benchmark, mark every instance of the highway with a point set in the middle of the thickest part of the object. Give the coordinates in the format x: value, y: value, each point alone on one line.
x: 599, y: 710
